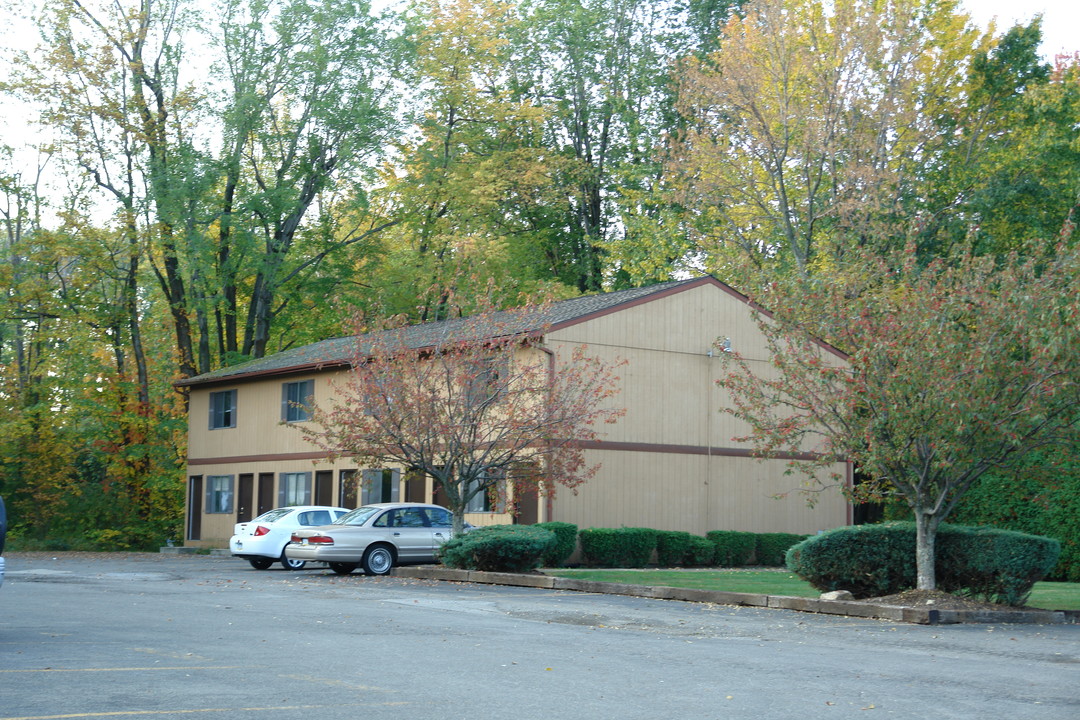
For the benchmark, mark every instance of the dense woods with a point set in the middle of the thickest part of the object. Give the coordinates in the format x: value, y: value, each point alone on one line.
x: 204, y: 183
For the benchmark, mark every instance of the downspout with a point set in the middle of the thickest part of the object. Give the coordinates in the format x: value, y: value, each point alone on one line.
x: 549, y: 508
x: 708, y: 439
x: 850, y: 510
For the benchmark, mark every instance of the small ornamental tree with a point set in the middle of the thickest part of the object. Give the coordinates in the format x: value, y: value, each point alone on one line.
x: 470, y: 402
x: 952, y: 370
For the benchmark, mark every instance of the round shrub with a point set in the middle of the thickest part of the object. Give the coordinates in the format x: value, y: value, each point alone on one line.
x: 498, y: 548
x: 999, y: 566
x: 874, y: 560
x: 617, y: 547
x: 565, y: 543
x: 866, y: 560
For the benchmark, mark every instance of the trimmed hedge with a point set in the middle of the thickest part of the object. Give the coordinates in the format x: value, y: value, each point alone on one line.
x: 874, y: 560
x: 498, y: 548
x: 700, y: 552
x: 671, y: 547
x: 565, y: 542
x: 617, y: 547
x: 771, y: 548
x: 732, y: 548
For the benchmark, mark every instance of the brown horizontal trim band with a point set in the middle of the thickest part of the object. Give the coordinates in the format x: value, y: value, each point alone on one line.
x: 593, y: 445
x: 698, y: 450
x: 274, y: 457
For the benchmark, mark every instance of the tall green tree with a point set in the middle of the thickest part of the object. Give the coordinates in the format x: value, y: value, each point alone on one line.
x: 313, y: 90
x: 1010, y: 172
x: 600, y: 70
x: 470, y: 174
x: 86, y: 447
x: 216, y: 161
x: 811, y: 128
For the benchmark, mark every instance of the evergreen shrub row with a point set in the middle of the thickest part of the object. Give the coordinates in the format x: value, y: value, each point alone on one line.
x: 503, y: 547
x: 617, y: 547
x: 634, y: 547
x: 875, y: 560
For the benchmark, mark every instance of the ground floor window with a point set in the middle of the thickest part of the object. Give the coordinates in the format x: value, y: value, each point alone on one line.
x: 491, y: 496
x: 295, y: 489
x: 219, y: 494
x: 347, y: 489
x: 380, y: 486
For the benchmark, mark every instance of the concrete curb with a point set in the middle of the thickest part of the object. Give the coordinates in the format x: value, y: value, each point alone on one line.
x: 847, y: 608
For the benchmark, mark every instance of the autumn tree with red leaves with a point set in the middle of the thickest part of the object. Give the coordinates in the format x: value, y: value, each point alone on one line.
x: 470, y: 402
x: 953, y: 369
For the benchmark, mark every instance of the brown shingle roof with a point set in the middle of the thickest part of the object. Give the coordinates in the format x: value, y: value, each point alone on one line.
x: 337, y: 352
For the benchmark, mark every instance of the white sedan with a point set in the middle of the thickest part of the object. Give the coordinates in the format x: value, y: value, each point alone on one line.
x: 262, y: 541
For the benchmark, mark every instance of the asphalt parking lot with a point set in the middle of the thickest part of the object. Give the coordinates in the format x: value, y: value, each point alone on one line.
x: 146, y: 635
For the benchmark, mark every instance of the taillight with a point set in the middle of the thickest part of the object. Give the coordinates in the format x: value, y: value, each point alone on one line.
x: 261, y: 530
x: 295, y: 539
x: 320, y: 540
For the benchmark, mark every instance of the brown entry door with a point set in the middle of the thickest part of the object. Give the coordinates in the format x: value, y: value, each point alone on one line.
x: 194, y: 528
x: 324, y: 487
x: 266, y: 493
x: 244, y: 497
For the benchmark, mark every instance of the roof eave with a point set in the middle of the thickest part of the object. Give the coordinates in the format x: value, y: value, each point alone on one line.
x: 259, y: 374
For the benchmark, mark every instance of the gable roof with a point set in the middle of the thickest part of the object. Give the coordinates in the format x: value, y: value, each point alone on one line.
x: 339, y: 352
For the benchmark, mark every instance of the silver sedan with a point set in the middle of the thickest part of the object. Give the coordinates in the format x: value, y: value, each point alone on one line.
x: 376, y: 537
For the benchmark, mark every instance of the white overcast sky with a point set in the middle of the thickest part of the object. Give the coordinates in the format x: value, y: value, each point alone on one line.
x: 1061, y: 20
x: 1061, y: 33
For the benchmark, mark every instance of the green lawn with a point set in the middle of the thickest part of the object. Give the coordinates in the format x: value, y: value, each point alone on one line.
x: 1048, y: 595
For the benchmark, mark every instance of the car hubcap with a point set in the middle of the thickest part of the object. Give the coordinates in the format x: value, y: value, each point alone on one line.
x: 380, y: 561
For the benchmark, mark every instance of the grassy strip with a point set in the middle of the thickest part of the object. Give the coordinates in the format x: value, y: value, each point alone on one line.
x: 1046, y: 595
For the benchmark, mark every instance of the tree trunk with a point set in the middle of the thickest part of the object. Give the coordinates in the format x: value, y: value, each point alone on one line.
x: 926, y: 526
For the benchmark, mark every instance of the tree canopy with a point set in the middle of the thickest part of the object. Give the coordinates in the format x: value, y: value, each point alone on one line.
x: 952, y: 370
x: 207, y: 184
x: 480, y: 404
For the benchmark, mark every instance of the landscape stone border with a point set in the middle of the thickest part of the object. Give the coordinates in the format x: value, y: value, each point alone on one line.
x: 849, y: 608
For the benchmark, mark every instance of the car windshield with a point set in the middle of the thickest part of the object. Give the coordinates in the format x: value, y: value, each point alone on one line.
x: 272, y: 515
x: 358, y: 516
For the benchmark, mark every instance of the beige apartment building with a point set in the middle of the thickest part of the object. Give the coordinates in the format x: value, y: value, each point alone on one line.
x: 669, y: 463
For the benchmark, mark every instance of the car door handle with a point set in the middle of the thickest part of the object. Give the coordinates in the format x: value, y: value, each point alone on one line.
x: 397, y: 534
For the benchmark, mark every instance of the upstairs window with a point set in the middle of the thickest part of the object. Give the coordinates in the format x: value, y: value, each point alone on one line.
x: 296, y: 398
x: 486, y: 381
x: 222, y: 409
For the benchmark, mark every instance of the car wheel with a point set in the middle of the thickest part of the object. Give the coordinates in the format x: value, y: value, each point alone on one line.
x: 290, y: 564
x: 260, y: 563
x: 342, y: 568
x: 378, y: 560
